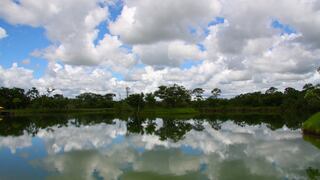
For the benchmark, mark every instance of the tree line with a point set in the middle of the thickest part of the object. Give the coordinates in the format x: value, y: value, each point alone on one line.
x: 307, y: 99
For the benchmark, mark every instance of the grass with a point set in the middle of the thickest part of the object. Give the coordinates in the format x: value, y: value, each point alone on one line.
x: 170, y: 111
x: 312, y: 125
x: 313, y: 140
x: 241, y: 110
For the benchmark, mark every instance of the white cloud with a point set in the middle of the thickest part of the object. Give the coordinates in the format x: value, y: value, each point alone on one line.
x: 73, y: 80
x: 243, y: 54
x: 16, y: 77
x: 3, y: 33
x: 71, y: 26
x: 146, y: 22
x: 168, y: 53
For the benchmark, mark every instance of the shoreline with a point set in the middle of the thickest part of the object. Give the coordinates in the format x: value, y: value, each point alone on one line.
x: 150, y: 111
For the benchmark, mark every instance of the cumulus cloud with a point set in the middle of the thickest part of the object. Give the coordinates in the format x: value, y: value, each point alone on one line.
x: 168, y: 53
x: 3, y: 33
x: 71, y: 26
x: 16, y: 76
x: 73, y: 80
x: 244, y: 52
x: 146, y: 22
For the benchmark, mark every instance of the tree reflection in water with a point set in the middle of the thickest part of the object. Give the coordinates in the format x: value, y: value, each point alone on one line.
x: 217, y: 146
x: 172, y: 128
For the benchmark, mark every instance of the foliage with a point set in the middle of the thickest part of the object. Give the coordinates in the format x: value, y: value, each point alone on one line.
x: 312, y: 125
x: 136, y: 101
x: 173, y: 96
x: 92, y: 100
x: 313, y: 174
x: 122, y: 107
x: 13, y: 98
x: 150, y: 99
x: 215, y: 93
x: 198, y: 93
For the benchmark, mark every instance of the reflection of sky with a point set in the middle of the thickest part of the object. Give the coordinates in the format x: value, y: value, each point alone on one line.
x: 109, y: 151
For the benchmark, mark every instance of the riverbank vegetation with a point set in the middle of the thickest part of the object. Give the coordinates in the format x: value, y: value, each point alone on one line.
x: 166, y: 99
x: 312, y: 125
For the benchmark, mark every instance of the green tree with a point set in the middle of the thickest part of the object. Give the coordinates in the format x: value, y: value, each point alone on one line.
x: 271, y: 90
x: 59, y: 101
x: 109, y: 96
x: 289, y: 91
x: 33, y: 93
x: 16, y: 102
x: 215, y: 93
x: 150, y: 99
x: 173, y: 95
x: 13, y: 98
x: 308, y: 86
x: 136, y: 101
x: 198, y: 93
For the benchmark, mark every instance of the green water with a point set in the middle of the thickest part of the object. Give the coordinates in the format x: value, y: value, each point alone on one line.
x: 105, y: 147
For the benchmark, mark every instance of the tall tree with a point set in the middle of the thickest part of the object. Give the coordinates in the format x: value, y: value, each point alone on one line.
x: 109, y: 96
x: 173, y: 95
x: 215, y: 93
x: 308, y: 86
x: 271, y: 90
x: 198, y: 93
x: 136, y: 101
x: 33, y: 93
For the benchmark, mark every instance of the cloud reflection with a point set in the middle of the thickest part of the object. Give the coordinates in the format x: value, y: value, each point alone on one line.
x: 112, y: 151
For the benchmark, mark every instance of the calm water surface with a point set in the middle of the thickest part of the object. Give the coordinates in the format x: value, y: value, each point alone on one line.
x: 100, y: 147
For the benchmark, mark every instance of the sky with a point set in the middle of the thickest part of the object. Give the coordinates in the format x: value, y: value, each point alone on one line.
x: 103, y: 46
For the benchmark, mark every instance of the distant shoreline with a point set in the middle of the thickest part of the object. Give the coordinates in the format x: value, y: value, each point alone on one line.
x: 153, y: 111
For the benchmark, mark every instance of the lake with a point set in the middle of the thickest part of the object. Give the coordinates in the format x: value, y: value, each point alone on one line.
x: 107, y: 147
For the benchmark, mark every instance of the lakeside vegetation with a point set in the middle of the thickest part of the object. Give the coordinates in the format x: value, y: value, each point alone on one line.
x: 166, y: 99
x: 312, y: 125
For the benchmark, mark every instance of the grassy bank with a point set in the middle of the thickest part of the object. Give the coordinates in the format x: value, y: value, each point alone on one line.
x: 177, y: 113
x: 242, y: 110
x: 312, y: 125
x: 313, y: 140
x: 162, y: 111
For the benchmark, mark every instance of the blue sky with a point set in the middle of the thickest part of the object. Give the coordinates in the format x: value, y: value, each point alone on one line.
x: 21, y: 42
x: 285, y: 28
x: 237, y: 46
